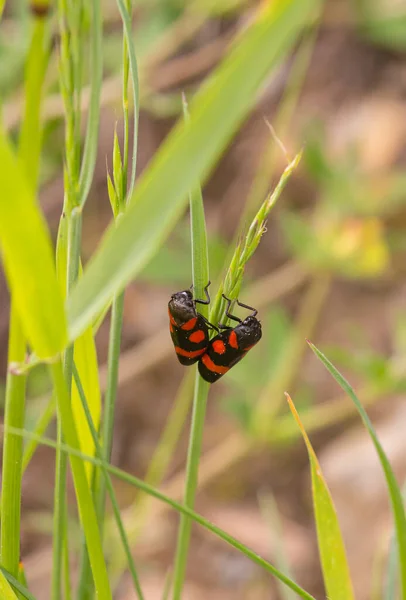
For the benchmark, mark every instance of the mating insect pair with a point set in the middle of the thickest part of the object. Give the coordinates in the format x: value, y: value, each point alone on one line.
x: 190, y: 335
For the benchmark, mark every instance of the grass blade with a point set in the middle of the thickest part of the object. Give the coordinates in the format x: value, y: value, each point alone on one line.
x: 109, y: 485
x: 86, y: 362
x: 333, y: 557
x: 130, y: 479
x: 27, y: 256
x: 92, y: 132
x: 186, y: 157
x: 6, y: 592
x: 393, y: 488
x: 200, y: 269
x: 135, y: 86
x: 84, y: 499
x: 21, y: 589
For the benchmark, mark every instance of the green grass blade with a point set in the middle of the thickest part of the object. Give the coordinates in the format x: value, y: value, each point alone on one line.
x: 192, y: 472
x: 12, y: 451
x: 84, y: 499
x: 393, y: 488
x: 27, y: 256
x: 6, y: 592
x: 187, y: 156
x: 135, y: 86
x: 200, y: 253
x: 109, y: 485
x: 86, y: 364
x: 200, y: 269
x: 21, y: 589
x: 29, y: 147
x: 92, y: 132
x: 333, y: 557
x: 130, y: 479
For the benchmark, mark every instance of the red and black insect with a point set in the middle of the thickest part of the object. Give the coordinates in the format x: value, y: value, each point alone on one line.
x: 189, y: 329
x: 231, y: 345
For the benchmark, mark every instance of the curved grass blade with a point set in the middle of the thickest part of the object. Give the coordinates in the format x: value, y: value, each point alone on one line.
x: 130, y: 479
x: 333, y: 557
x: 393, y: 488
x: 187, y: 156
x: 28, y: 261
x: 6, y: 592
x: 21, y: 589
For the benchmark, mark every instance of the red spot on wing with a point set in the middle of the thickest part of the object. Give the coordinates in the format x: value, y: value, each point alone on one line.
x: 232, y: 340
x: 189, y: 354
x: 219, y: 346
x: 197, y: 336
x: 170, y: 327
x: 191, y: 324
x: 209, y: 364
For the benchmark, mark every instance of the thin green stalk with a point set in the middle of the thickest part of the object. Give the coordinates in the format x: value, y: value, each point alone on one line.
x: 84, y: 498
x: 129, y: 67
x: 109, y: 486
x: 184, y: 510
x: 192, y: 468
x: 111, y: 394
x: 126, y: 65
x: 118, y: 199
x: 85, y: 585
x: 96, y: 74
x: 200, y: 272
x: 60, y: 529
x: 12, y: 451
x: 157, y: 468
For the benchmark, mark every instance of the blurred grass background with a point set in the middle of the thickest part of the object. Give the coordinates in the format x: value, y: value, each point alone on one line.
x: 331, y: 267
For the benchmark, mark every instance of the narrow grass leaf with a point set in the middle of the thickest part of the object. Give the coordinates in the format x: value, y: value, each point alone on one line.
x: 393, y: 488
x: 6, y: 592
x: 135, y: 85
x: 200, y: 269
x: 85, y: 358
x: 83, y: 495
x: 139, y: 483
x: 333, y: 557
x: 109, y: 485
x: 17, y: 585
x: 96, y: 73
x: 198, y: 235
x: 27, y: 256
x: 187, y: 156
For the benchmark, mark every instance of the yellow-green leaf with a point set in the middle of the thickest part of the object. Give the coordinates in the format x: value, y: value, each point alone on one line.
x: 333, y: 557
x: 86, y: 362
x: 27, y: 255
x: 6, y: 593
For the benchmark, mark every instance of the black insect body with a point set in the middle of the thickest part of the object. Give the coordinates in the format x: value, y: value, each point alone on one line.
x: 230, y: 346
x: 189, y: 329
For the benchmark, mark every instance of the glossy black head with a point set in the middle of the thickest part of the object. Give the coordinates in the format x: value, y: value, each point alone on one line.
x: 182, y: 306
x: 248, y: 332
